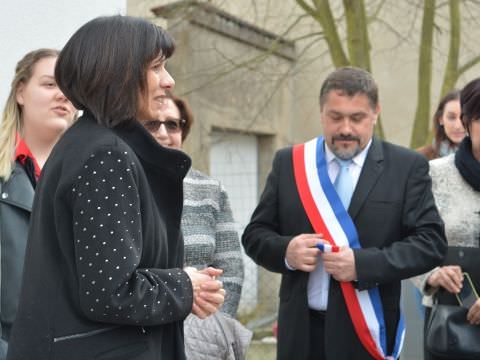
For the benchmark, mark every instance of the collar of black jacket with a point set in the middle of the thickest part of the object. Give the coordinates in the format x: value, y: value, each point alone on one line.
x: 174, y: 162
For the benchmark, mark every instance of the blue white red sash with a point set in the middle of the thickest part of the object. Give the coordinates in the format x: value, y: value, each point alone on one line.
x: 329, y: 217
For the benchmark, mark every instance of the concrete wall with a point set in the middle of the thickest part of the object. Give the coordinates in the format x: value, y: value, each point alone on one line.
x: 28, y: 24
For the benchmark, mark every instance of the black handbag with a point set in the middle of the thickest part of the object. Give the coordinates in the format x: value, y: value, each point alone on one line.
x: 450, y: 336
x: 468, y: 258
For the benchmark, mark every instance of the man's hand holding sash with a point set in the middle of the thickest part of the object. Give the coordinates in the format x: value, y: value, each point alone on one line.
x: 339, y: 262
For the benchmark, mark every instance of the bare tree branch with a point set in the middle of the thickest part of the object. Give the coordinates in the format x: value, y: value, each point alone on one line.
x: 375, y: 13
x: 323, y: 15
x: 308, y: 9
x: 399, y: 35
x: 469, y: 64
x: 306, y: 36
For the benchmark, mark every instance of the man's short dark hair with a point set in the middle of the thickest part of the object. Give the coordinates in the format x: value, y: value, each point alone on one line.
x: 470, y: 103
x: 102, y: 68
x: 350, y: 81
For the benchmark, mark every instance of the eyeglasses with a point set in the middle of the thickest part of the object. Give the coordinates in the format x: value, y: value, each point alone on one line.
x: 171, y: 125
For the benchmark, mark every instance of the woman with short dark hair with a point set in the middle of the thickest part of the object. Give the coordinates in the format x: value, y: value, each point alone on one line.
x: 103, y: 274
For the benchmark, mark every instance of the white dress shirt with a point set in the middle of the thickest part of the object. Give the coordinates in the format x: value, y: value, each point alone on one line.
x: 319, y: 280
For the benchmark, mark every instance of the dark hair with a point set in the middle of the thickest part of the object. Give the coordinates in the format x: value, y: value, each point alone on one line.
x: 438, y: 129
x: 470, y: 103
x: 102, y: 68
x: 185, y: 114
x: 350, y: 81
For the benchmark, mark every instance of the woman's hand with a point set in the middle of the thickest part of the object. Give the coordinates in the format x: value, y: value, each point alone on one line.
x: 208, y: 293
x: 211, y: 295
x: 449, y: 277
x: 473, y: 315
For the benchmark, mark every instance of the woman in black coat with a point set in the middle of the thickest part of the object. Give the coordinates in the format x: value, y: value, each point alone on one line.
x: 103, y: 275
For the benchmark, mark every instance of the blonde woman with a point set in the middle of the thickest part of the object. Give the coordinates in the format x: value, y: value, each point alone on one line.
x: 35, y: 115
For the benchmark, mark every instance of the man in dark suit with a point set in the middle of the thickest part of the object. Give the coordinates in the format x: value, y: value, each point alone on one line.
x: 391, y: 208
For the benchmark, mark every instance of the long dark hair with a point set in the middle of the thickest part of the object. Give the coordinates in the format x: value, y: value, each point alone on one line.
x: 438, y: 129
x: 102, y: 68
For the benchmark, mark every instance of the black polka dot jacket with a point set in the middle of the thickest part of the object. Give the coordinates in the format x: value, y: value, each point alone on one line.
x: 103, y: 274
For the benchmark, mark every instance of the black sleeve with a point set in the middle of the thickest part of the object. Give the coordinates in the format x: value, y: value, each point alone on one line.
x: 423, y: 244
x: 261, y: 239
x: 108, y: 246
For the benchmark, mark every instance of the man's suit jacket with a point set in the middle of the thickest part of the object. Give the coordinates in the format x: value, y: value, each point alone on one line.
x: 399, y: 229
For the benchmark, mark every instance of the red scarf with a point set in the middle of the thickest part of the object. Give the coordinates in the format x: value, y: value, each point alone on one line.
x: 22, y: 153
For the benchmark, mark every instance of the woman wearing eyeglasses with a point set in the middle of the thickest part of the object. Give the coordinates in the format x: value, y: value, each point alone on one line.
x: 208, y: 228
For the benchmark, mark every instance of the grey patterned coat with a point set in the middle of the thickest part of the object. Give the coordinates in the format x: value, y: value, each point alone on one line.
x: 209, y: 234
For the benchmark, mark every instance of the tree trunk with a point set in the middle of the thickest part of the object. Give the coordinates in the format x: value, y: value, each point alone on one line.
x: 451, y: 68
x: 422, y: 114
x: 358, y: 42
x: 357, y: 34
x: 323, y: 15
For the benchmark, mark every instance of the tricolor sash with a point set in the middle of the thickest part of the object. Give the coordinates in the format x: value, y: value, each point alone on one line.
x: 329, y: 217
